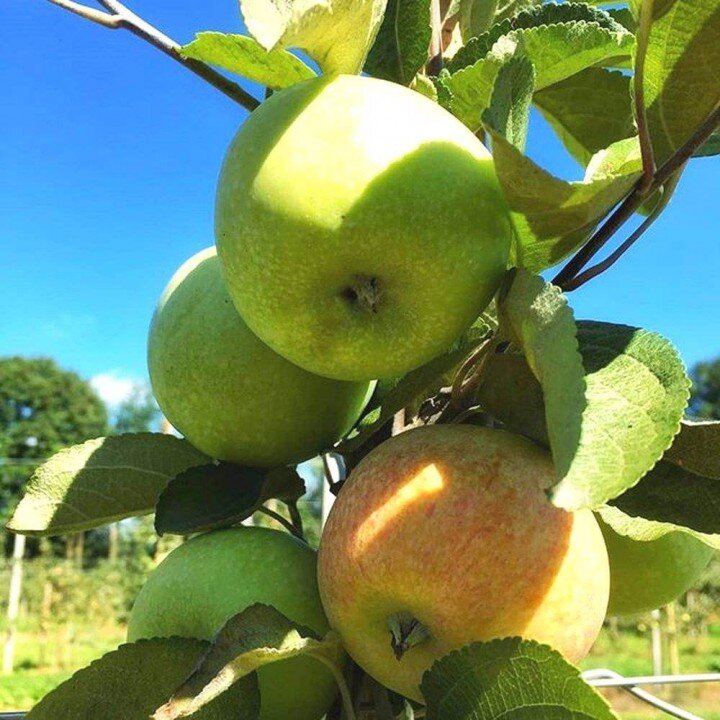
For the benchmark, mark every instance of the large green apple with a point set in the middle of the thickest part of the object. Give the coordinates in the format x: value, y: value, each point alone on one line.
x: 212, y: 577
x: 226, y: 391
x: 648, y: 575
x: 443, y: 536
x: 361, y: 227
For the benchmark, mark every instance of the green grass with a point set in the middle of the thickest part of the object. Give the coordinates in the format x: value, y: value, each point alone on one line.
x: 21, y: 690
x: 30, y: 682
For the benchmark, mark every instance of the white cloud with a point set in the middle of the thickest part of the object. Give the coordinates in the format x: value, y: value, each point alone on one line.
x: 113, y: 388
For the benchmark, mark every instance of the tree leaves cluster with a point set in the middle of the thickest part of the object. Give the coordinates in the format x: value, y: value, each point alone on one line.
x: 631, y: 94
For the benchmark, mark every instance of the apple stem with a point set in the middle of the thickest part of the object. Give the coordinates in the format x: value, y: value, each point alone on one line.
x: 345, y: 693
x: 406, y: 631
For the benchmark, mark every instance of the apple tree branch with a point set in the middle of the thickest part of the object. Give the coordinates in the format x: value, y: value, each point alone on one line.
x: 120, y: 17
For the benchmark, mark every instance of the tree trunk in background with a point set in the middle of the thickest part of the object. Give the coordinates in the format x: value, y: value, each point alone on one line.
x: 113, y: 542
x: 656, y: 643
x: 79, y: 549
x: 45, y: 615
x: 673, y: 647
x: 13, y: 603
x: 69, y: 547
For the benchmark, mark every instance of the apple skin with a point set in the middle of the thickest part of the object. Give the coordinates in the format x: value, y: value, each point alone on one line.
x: 226, y: 391
x: 449, y: 524
x: 361, y: 227
x: 212, y: 577
x: 648, y: 575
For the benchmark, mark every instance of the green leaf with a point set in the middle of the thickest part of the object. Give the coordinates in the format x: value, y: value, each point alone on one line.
x: 697, y: 448
x: 553, y: 216
x: 476, y: 16
x: 637, y: 391
x: 682, y: 82
x: 130, y: 682
x: 668, y: 499
x: 541, y: 323
x: 220, y: 495
x: 425, y: 86
x: 589, y: 111
x: 511, y: 394
x: 711, y: 146
x: 255, y: 637
x: 509, y: 679
x: 541, y: 15
x: 101, y: 481
x: 413, y: 388
x: 557, y: 51
x: 336, y: 33
x: 244, y: 56
x: 624, y: 17
x: 401, y: 46
x: 508, y: 9
x: 606, y: 429
x: 509, y: 111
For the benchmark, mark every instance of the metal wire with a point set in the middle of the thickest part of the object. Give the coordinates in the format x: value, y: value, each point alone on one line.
x: 609, y: 678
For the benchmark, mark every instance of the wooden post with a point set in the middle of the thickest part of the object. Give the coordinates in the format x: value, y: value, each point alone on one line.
x: 113, y: 542
x: 45, y: 615
x: 656, y: 638
x: 673, y: 645
x: 79, y: 550
x: 13, y: 603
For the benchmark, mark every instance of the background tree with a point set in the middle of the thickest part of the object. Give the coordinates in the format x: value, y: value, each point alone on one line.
x: 42, y: 409
x: 705, y: 402
x: 137, y: 413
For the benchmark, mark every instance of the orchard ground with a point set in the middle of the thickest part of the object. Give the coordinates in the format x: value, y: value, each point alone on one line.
x: 628, y: 652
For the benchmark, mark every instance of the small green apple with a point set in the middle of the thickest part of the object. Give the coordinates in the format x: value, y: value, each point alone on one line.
x: 210, y: 578
x: 360, y: 226
x: 226, y: 391
x: 443, y: 536
x: 648, y: 575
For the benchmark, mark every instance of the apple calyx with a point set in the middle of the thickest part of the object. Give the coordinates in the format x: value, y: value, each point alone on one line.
x: 363, y: 293
x: 406, y: 631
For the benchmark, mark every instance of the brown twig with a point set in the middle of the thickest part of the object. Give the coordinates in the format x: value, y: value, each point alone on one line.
x: 282, y: 520
x: 118, y: 16
x: 614, y: 256
x: 635, y: 199
x: 295, y: 517
x: 467, y: 379
x: 435, y: 63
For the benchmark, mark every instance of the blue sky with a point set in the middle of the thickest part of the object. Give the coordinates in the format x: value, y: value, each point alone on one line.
x: 109, y: 155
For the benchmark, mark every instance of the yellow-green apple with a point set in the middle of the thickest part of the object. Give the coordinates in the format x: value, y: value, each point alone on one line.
x: 229, y: 393
x: 360, y: 226
x: 210, y: 578
x: 645, y: 575
x: 443, y: 536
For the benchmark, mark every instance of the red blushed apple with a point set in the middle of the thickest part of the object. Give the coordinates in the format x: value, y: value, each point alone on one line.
x: 443, y: 536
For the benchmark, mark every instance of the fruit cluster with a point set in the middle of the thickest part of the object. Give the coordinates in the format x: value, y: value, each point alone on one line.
x: 360, y: 230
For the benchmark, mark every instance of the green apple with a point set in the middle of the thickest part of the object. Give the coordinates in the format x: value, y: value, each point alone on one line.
x: 212, y: 577
x: 226, y: 391
x: 443, y: 536
x: 360, y: 226
x: 648, y: 575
